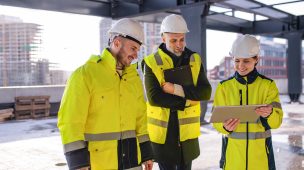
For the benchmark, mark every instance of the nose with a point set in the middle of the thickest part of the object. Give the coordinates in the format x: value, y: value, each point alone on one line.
x: 134, y: 56
x: 179, y: 44
x: 241, y: 65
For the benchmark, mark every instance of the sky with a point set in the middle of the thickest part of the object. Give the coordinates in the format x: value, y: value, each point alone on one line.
x: 218, y: 46
x: 69, y: 39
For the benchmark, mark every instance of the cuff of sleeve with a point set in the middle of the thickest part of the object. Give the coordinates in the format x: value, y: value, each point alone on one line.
x: 227, y: 130
x: 269, y: 114
x: 78, y: 158
x: 187, y: 103
x: 178, y: 90
x: 146, y: 151
x: 182, y: 106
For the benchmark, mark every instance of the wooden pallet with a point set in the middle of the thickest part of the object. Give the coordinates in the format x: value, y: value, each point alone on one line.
x: 32, y: 107
x: 6, y: 114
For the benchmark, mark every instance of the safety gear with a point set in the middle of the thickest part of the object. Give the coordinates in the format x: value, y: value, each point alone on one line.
x: 245, y: 46
x: 100, y: 107
x: 174, y: 24
x: 128, y: 28
x: 250, y: 142
x: 158, y: 117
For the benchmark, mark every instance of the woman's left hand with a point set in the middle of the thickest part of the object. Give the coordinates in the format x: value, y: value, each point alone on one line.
x: 264, y: 111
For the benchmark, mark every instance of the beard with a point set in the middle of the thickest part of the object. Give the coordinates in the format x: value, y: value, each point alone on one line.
x: 175, y: 53
x: 122, y: 59
x: 119, y: 58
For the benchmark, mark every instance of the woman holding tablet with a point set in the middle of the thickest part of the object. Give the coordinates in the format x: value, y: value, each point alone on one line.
x: 248, y: 146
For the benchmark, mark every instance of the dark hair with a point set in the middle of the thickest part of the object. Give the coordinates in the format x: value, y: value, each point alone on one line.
x: 255, y: 57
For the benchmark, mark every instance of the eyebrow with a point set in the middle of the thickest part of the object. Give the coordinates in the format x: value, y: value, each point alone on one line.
x: 177, y: 38
x: 133, y: 46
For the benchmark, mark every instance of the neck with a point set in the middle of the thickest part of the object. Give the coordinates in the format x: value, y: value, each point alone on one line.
x: 119, y: 66
x: 114, y: 53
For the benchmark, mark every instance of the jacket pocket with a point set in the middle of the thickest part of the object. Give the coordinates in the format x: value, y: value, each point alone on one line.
x: 103, y: 154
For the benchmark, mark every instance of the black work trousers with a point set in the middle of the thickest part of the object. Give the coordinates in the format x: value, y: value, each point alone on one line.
x: 164, y: 166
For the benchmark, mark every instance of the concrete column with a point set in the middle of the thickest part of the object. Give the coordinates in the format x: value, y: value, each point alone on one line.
x: 195, y: 17
x: 294, y: 64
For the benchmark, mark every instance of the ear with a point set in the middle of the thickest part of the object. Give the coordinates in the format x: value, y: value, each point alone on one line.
x: 258, y: 60
x: 163, y: 38
x: 116, y: 42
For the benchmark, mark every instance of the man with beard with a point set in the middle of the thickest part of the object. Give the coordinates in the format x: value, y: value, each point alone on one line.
x: 102, y: 117
x: 174, y: 109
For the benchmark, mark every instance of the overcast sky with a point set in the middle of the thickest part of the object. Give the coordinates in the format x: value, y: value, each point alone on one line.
x: 68, y: 39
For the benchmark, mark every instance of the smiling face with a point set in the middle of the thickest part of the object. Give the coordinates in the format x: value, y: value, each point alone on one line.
x: 245, y: 65
x: 175, y: 42
x: 127, y: 52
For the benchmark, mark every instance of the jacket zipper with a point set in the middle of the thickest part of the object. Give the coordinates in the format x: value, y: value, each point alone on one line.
x: 178, y: 135
x: 121, y: 156
x: 241, y: 100
x: 247, y: 129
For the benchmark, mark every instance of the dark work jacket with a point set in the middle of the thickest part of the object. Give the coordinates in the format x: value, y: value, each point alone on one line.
x: 174, y: 151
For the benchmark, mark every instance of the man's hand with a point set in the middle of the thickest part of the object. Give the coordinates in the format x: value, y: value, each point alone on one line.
x: 231, y: 124
x: 168, y: 87
x: 264, y: 111
x: 148, y: 165
x: 84, y: 168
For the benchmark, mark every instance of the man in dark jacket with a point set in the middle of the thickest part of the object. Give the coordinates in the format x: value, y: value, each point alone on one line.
x: 174, y: 109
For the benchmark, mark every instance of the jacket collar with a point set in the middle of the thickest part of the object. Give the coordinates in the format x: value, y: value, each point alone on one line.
x: 177, y: 60
x: 162, y: 46
x: 249, y: 78
x: 107, y: 57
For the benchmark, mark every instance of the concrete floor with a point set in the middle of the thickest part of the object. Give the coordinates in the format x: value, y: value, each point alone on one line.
x: 36, y: 144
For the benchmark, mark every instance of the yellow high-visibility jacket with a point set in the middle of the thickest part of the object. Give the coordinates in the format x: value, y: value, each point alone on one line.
x: 101, y: 107
x: 158, y: 117
x: 249, y: 146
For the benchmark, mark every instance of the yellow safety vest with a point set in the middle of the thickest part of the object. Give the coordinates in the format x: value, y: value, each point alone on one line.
x: 251, y: 141
x: 158, y: 117
x: 100, y: 107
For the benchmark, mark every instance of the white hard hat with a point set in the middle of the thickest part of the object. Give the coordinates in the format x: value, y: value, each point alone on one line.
x: 128, y: 28
x: 174, y: 24
x: 245, y: 46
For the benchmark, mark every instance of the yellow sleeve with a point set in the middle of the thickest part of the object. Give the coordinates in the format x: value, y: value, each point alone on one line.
x: 73, y: 111
x: 141, y: 119
x: 275, y: 119
x: 219, y: 100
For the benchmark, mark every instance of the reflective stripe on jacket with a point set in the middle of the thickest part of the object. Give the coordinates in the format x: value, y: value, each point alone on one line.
x: 249, y: 146
x: 158, y: 117
x: 102, y: 107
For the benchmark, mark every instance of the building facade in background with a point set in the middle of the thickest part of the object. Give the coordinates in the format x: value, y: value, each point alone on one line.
x: 21, y: 63
x: 272, y: 62
x: 152, y: 38
x: 20, y: 43
x: 104, y: 26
